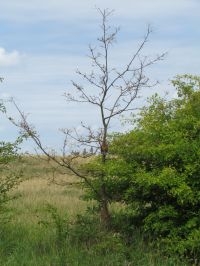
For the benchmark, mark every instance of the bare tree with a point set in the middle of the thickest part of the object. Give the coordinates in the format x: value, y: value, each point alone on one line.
x: 113, y: 93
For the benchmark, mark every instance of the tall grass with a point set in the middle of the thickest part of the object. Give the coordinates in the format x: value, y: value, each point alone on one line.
x: 44, y: 229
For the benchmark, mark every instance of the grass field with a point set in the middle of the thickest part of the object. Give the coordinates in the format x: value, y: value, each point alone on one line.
x: 44, y: 229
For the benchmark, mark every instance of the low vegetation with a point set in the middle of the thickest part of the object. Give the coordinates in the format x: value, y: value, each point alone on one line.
x: 52, y: 225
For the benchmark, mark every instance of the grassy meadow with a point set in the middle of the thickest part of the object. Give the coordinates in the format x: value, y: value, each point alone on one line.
x: 43, y: 228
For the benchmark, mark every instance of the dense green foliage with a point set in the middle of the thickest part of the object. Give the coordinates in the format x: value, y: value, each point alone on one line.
x: 159, y: 176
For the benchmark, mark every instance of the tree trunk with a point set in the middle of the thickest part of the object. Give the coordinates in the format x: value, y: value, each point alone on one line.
x: 104, y: 202
x: 104, y: 213
x: 104, y: 207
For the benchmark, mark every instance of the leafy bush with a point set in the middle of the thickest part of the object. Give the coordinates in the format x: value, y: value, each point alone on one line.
x: 9, y: 177
x: 161, y: 170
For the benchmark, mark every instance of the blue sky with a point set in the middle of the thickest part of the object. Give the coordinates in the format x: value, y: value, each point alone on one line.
x: 43, y: 42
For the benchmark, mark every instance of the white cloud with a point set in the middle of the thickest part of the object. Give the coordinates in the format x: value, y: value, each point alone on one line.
x: 8, y: 59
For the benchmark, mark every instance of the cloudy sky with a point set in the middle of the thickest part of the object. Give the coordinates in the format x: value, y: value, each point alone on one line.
x: 43, y: 42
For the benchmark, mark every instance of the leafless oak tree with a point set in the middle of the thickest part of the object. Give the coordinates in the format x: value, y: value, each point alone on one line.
x: 112, y: 92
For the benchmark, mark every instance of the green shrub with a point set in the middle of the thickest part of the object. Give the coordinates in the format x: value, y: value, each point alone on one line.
x: 9, y: 177
x: 161, y: 170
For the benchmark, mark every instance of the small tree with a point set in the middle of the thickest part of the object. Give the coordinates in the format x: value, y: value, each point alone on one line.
x: 9, y: 178
x: 84, y: 152
x: 113, y: 93
x: 91, y: 150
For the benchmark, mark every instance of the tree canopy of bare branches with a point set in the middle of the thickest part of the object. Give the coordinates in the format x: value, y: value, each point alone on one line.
x: 112, y: 91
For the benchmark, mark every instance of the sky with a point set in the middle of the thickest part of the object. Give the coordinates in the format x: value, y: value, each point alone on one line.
x: 43, y: 43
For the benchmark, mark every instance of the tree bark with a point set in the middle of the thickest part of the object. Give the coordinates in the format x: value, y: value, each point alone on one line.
x: 104, y: 213
x: 104, y: 202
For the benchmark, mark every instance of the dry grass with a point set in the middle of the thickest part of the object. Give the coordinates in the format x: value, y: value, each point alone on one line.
x: 37, y: 190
